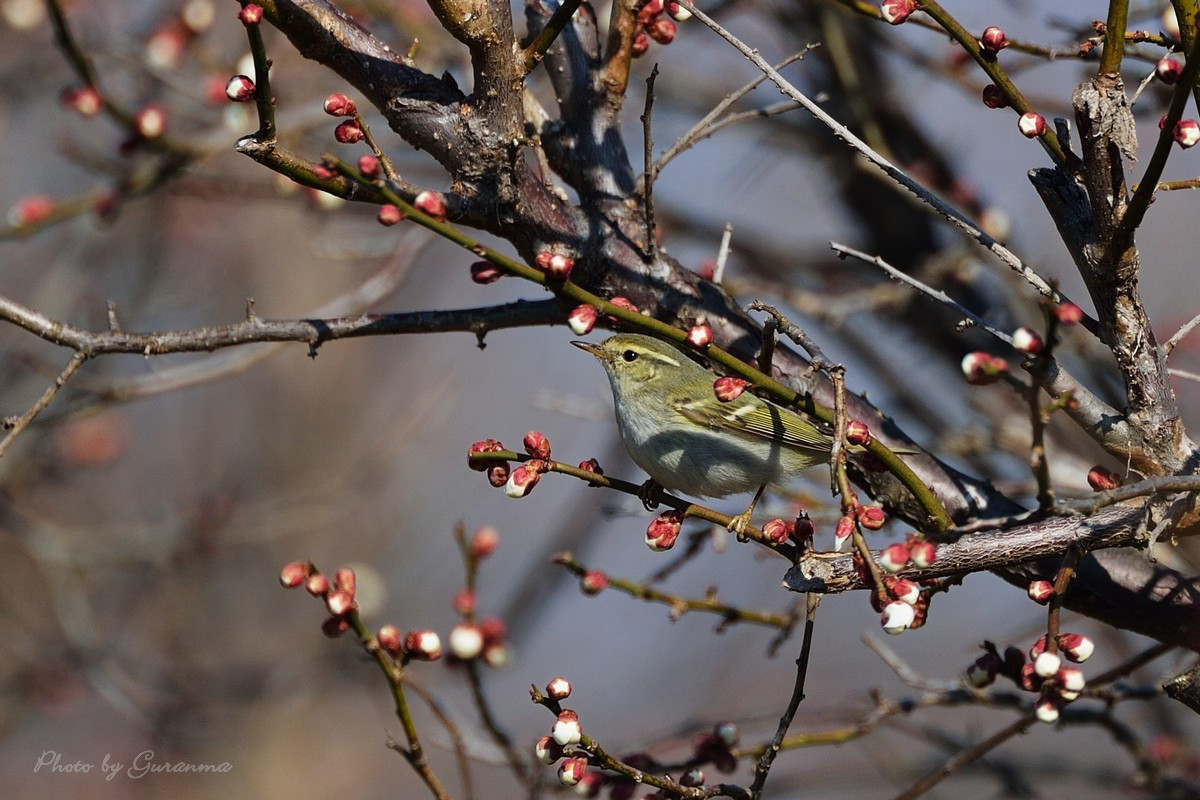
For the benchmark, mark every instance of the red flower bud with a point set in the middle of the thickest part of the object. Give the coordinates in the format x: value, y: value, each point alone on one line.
x: 339, y: 105
x: 664, y: 530
x: 1031, y: 125
x: 895, y: 12
x: 700, y: 336
x: 993, y: 39
x: 729, y: 388
x: 389, y: 214
x: 1102, y: 480
x: 537, y: 445
x: 348, y: 132
x: 431, y: 203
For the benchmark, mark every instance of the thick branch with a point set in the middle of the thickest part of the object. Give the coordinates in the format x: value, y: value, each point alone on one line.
x: 1121, y: 588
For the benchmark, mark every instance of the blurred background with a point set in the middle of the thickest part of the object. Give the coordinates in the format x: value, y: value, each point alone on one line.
x: 145, y: 517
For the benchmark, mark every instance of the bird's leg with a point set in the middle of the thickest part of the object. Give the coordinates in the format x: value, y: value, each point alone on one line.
x: 650, y: 494
x: 738, y: 524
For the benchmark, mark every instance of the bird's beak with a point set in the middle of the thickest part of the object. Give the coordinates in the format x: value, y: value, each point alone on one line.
x: 594, y: 349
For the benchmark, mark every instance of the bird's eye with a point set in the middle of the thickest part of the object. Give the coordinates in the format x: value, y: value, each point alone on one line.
x: 630, y: 355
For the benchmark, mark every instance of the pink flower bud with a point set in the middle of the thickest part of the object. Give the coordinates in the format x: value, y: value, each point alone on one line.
x: 1102, y: 480
x: 340, y: 602
x: 1029, y: 680
x: 547, y: 750
x: 466, y: 641
x: 582, y: 319
x: 558, y: 688
x: 324, y: 171
x: 368, y: 165
x: 857, y: 433
x: 1169, y: 70
x: 729, y: 388
x: 1070, y: 679
x: 897, y: 617
x: 485, y: 446
x: 464, y: 602
x: 843, y: 531
x: 895, y: 12
x: 1040, y: 592
x: 251, y: 14
x: 1038, y: 647
x: 567, y: 730
x: 239, y: 89
x: 348, y: 132
x: 1076, y: 647
x: 431, y: 203
x: 1047, y: 664
x: 571, y: 771
x: 679, y: 14
x: 664, y: 530
x: 484, y: 542
x: 661, y: 30
x: 1028, y: 341
x: 151, y: 122
x: 317, y: 585
x: 922, y: 553
x: 521, y: 481
x: 559, y: 266
x: 83, y: 99
x: 981, y: 368
x: 1187, y: 133
x: 1031, y: 125
x: 389, y: 215
x: 591, y: 465
x: 537, y: 445
x: 593, y: 582
x: 777, y: 530
x: 902, y: 589
x: 894, y: 557
x: 493, y: 630
x: 994, y: 96
x: 1047, y: 709
x: 625, y: 303
x: 872, y: 518
x: 1068, y: 313
x: 423, y: 645
x: 294, y: 574
x: 339, y: 105
x: 993, y: 39
x: 641, y: 43
x: 345, y: 579
x: 700, y: 336
x: 390, y: 639
x: 497, y: 475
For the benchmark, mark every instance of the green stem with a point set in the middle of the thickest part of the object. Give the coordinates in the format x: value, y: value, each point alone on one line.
x: 1114, y: 37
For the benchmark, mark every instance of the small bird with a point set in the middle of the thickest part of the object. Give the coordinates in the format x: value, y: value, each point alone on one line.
x: 677, y: 430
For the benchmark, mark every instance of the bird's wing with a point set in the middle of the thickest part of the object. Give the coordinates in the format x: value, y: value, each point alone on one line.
x: 753, y: 417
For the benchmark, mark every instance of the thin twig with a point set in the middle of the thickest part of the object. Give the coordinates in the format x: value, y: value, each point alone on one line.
x: 956, y: 217
x: 708, y: 124
x: 18, y: 424
x: 765, y: 761
x: 1150, y: 486
x: 976, y: 320
x: 966, y: 757
x: 817, y: 359
x: 648, y: 165
x: 1178, y: 336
